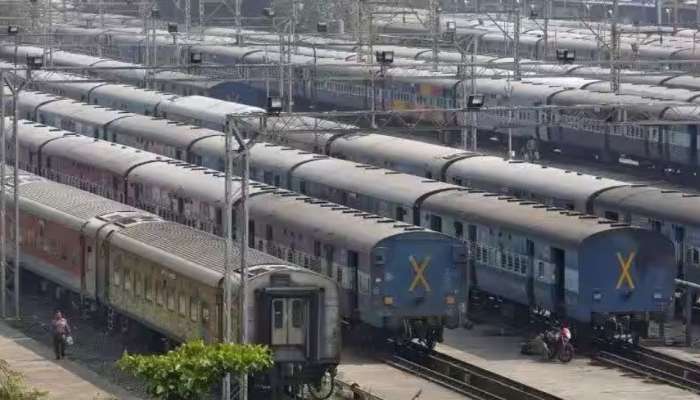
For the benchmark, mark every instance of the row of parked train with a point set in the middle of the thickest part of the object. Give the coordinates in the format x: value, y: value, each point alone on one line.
x: 401, y: 279
x: 590, y: 43
x: 169, y: 276
x: 680, y: 228
x: 518, y: 242
x: 610, y: 128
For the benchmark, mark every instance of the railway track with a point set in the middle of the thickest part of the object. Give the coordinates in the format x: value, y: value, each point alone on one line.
x: 654, y: 365
x: 461, y: 377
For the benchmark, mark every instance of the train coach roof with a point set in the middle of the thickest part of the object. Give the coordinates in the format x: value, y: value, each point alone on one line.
x: 398, y: 151
x: 527, y: 177
x: 161, y: 131
x: 206, y: 108
x: 190, y: 181
x: 68, y: 200
x: 665, y: 205
x: 34, y: 135
x: 378, y: 183
x: 96, y: 153
x: 182, y: 247
x: 528, y: 218
x: 308, y: 216
x: 329, y: 222
x: 32, y: 99
x: 134, y: 94
x: 77, y: 111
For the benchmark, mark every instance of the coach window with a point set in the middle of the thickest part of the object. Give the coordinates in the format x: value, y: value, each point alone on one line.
x: 436, y: 223
x: 540, y: 270
x: 160, y: 293
x: 679, y: 233
x: 655, y: 225
x: 180, y: 206
x: 612, y: 215
x: 329, y: 259
x: 194, y: 309
x: 138, y: 286
x: 127, y: 280
x: 267, y: 177
x: 400, y: 213
x: 182, y: 306
x: 148, y: 288
x: 297, y: 313
x: 530, y: 248
x: 171, y: 300
x: 205, y: 313
x: 117, y: 276
x: 459, y: 230
x: 353, y: 259
x: 278, y: 313
x: 268, y: 233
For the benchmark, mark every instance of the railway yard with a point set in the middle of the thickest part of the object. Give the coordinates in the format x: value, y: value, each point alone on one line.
x: 397, y: 199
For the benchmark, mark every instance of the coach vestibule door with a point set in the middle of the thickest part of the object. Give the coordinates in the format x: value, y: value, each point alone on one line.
x: 289, y: 321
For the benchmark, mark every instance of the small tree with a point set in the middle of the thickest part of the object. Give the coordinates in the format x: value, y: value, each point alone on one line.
x: 190, y: 371
x: 13, y: 387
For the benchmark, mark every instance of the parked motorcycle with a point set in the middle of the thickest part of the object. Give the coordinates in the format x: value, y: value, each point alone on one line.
x: 550, y: 344
x: 557, y: 343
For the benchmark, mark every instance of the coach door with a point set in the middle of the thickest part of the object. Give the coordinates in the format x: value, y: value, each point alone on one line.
x: 289, y: 321
x: 558, y: 257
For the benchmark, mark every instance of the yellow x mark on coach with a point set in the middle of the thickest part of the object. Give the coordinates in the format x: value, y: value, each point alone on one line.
x: 625, y: 266
x: 419, y: 269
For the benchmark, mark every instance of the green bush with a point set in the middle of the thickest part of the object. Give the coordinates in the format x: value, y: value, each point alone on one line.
x: 190, y: 371
x: 13, y: 387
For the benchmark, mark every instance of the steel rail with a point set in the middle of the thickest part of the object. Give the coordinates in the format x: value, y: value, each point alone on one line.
x: 461, y: 376
x: 654, y: 365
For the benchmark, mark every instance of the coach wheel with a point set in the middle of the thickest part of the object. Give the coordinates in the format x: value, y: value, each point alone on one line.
x: 324, y: 388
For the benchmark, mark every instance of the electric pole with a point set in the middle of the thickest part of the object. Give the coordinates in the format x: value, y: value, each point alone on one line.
x: 675, y: 16
x: 242, y: 296
x: 474, y: 115
x: 237, y: 6
x: 232, y: 132
x: 435, y: 30
x: 547, y: 11
x: 100, y: 5
x: 3, y: 162
x: 201, y: 18
x: 228, y: 249
x: 516, y: 43
x: 614, y: 50
x: 188, y: 18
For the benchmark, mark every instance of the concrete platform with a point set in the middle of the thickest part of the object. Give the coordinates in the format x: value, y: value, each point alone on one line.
x: 64, y: 379
x: 388, y: 383
x: 580, y: 379
x: 675, y: 342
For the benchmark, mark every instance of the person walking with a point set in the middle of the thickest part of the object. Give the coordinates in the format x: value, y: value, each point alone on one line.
x: 61, y: 331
